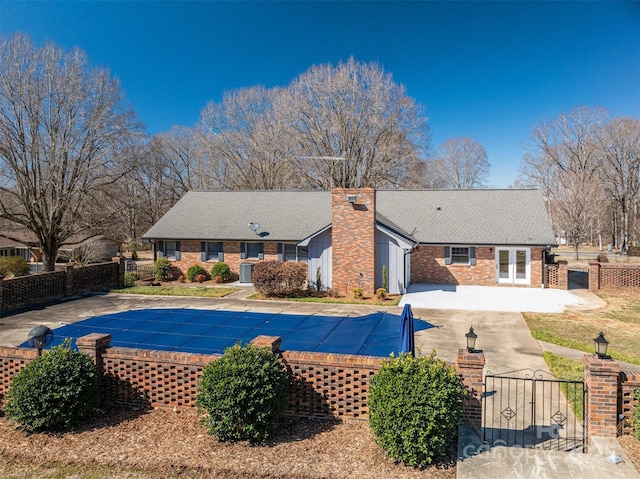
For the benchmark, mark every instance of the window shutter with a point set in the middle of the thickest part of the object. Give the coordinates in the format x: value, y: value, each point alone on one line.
x: 260, y: 250
x: 472, y: 255
x: 160, y: 249
x: 220, y: 256
x: 203, y: 251
x: 280, y: 255
x: 243, y: 251
x: 177, y: 250
x: 447, y: 255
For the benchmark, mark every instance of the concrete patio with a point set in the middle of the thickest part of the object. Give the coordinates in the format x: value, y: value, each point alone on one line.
x: 498, y: 298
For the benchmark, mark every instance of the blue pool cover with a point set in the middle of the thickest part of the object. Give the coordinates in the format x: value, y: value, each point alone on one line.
x: 212, y: 331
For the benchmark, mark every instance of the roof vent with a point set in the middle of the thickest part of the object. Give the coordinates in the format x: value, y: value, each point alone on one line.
x: 351, y: 198
x: 438, y: 208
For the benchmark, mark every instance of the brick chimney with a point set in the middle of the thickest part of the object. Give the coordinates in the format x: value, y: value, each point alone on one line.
x: 353, y: 218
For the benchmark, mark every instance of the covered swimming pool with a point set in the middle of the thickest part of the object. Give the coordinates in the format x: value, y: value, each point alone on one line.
x: 212, y: 331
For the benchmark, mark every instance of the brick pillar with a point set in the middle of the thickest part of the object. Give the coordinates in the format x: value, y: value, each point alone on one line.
x: 121, y: 269
x: 271, y: 342
x: 601, y: 383
x: 68, y: 278
x: 594, y: 275
x: 563, y: 274
x: 353, y: 228
x: 470, y: 366
x: 95, y: 345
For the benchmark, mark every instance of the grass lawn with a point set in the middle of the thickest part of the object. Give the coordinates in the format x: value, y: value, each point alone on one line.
x: 390, y: 301
x: 564, y: 368
x: 199, y: 291
x: 619, y: 320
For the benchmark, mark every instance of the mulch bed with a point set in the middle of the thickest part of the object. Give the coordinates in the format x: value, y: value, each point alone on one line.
x: 165, y: 443
x: 632, y: 447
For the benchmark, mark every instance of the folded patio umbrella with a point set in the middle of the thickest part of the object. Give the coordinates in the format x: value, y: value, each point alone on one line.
x: 407, y: 341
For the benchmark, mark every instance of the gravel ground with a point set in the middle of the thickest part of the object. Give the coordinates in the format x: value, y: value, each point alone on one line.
x: 164, y: 443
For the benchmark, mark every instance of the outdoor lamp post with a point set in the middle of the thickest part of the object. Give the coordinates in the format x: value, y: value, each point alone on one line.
x: 39, y: 337
x: 601, y: 346
x: 471, y: 339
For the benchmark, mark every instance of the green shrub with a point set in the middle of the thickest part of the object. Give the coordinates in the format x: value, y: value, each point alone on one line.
x: 318, y: 279
x: 414, y: 409
x: 13, y: 266
x: 635, y: 417
x: 384, y: 276
x: 55, y: 391
x: 357, y: 293
x: 162, y: 269
x: 244, y: 394
x: 130, y: 279
x: 194, y: 270
x: 381, y: 293
x: 222, y: 270
x: 273, y: 278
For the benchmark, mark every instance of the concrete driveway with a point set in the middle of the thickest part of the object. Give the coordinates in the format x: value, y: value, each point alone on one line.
x: 498, y: 298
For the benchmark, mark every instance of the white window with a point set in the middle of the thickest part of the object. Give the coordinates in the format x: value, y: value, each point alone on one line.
x: 459, y: 255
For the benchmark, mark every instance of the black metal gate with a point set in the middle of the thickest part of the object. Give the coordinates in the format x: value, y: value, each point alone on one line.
x: 578, y: 278
x: 534, y: 409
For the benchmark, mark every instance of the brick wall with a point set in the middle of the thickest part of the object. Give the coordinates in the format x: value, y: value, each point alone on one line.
x: 629, y: 382
x: 601, y: 383
x: 551, y: 280
x: 428, y: 266
x: 330, y: 385
x: 353, y: 240
x: 470, y: 366
x: 324, y: 385
x: 607, y: 275
x: 97, y: 277
x: 190, y: 255
x: 12, y: 361
x: 24, y: 291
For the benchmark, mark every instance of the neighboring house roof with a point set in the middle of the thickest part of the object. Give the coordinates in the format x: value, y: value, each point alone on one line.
x: 26, y: 239
x: 475, y: 217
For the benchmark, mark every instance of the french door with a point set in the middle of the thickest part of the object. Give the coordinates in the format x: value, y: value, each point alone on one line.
x: 513, y: 265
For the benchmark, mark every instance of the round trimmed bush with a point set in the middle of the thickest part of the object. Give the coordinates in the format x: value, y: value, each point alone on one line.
x: 194, y: 270
x: 55, y: 391
x: 222, y: 270
x: 414, y: 409
x: 162, y: 269
x: 244, y: 393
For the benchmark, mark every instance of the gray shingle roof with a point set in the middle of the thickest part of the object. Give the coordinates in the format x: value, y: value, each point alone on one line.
x: 225, y: 215
x: 475, y: 217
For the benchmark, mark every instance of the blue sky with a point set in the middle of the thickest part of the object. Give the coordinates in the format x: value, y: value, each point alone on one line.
x: 487, y: 70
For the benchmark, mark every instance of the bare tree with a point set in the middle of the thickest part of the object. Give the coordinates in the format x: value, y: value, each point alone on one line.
x: 564, y: 160
x: 461, y: 163
x: 357, y: 112
x: 247, y: 139
x: 620, y: 169
x: 63, y: 133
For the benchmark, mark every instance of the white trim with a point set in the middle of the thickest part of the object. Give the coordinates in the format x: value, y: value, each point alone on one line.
x: 305, y: 242
x: 402, y: 242
x: 512, y: 279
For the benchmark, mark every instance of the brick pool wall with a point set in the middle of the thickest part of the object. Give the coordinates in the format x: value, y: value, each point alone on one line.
x: 323, y: 385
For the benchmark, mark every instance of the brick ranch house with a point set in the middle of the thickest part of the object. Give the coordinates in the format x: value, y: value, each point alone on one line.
x: 347, y: 236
